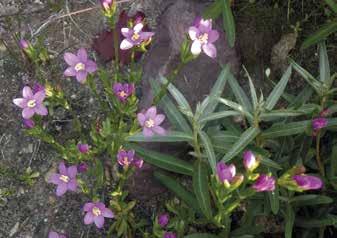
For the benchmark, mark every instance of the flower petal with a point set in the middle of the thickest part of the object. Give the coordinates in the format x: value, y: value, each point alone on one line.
x: 88, y: 206
x: 82, y: 55
x: 70, y: 59
x: 88, y: 218
x: 54, y: 178
x: 106, y: 212
x: 72, y: 185
x: 126, y: 32
x: 146, y: 35
x: 196, y: 47
x: 159, y: 119
x: 20, y: 102
x: 213, y: 36
x: 159, y: 130
x: 70, y: 72
x: 39, y: 96
x: 90, y: 66
x: 147, y: 132
x: 41, y: 110
x: 126, y: 44
x: 151, y: 112
x: 193, y: 32
x: 27, y: 92
x: 53, y: 234
x: 141, y: 118
x: 63, y: 169
x: 81, y: 76
x: 61, y: 189
x: 205, y: 25
x: 138, y: 27
x: 28, y: 112
x: 72, y: 171
x: 209, y: 50
x: 99, y: 221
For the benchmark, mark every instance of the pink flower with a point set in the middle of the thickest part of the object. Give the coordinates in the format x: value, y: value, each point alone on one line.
x: 307, y: 182
x: 65, y: 180
x: 319, y: 123
x: 79, y: 64
x: 123, y: 91
x: 138, y: 163
x: 203, y: 37
x: 134, y: 36
x: 31, y: 103
x: 125, y: 158
x: 96, y: 212
x: 53, y: 234
x: 150, y: 121
x: 28, y: 123
x: 264, y: 183
x: 38, y: 87
x: 225, y: 173
x: 170, y: 235
x: 24, y: 44
x: 83, y: 148
x: 163, y: 220
x: 82, y: 167
x: 249, y: 161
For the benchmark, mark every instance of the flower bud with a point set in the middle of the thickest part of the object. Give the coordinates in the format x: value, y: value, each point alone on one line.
x: 82, y: 167
x: 307, y: 182
x: 225, y: 173
x: 319, y: 123
x: 163, y: 220
x: 264, y: 183
x: 83, y: 148
x: 28, y: 123
x: 249, y: 161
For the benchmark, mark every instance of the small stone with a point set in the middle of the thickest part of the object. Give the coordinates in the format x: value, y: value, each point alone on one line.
x: 14, y: 229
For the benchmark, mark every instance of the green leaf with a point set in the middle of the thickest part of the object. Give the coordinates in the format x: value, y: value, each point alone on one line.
x: 236, y: 107
x: 252, y: 89
x: 320, y: 35
x: 245, y: 138
x: 310, y: 200
x: 307, y: 76
x: 286, y: 129
x: 201, y: 235
x: 224, y: 137
x: 177, y: 95
x: 213, y: 11
x: 240, y: 95
x: 218, y: 115
x: 333, y: 159
x: 328, y: 220
x: 324, y: 66
x: 179, y: 190
x: 332, y: 4
x: 216, y: 91
x: 274, y: 200
x: 302, y: 97
x: 206, y: 142
x: 290, y: 219
x: 172, y: 136
x: 163, y: 161
x: 266, y: 116
x: 332, y: 122
x: 270, y: 163
x: 278, y: 90
x: 228, y: 22
x: 200, y: 187
x: 171, y: 111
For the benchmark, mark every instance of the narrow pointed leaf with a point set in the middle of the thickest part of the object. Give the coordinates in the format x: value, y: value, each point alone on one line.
x: 286, y: 129
x: 324, y: 66
x: 274, y: 200
x: 306, y: 75
x: 214, y: 10
x: 310, y: 200
x: 200, y: 187
x: 236, y: 107
x: 206, y: 142
x: 328, y: 220
x: 218, y: 115
x: 163, y: 161
x: 252, y: 89
x: 240, y: 95
x: 320, y: 35
x: 172, y: 136
x: 270, y: 163
x: 290, y: 219
x: 246, y: 137
x: 228, y: 22
x: 278, y: 90
x: 280, y: 114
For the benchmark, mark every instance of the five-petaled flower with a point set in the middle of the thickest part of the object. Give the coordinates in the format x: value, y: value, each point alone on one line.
x: 264, y: 183
x: 125, y: 157
x: 150, y: 121
x: 308, y: 182
x: 96, y: 212
x: 225, y: 173
x: 53, y: 234
x: 134, y: 36
x: 123, y: 91
x: 79, y: 65
x: 65, y: 180
x: 31, y: 103
x: 203, y: 37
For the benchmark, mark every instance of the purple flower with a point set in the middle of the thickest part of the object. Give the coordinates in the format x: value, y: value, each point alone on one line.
x: 138, y: 163
x: 96, y: 211
x: 82, y: 167
x: 24, y: 44
x: 134, y: 36
x: 319, y: 123
x: 163, y: 219
x: 125, y: 157
x: 28, y: 123
x: 264, y: 183
x: 83, y: 148
x: 38, y: 87
x: 31, y: 103
x: 150, y: 121
x: 79, y: 64
x: 53, y: 234
x: 203, y: 37
x: 249, y: 161
x: 106, y: 4
x: 170, y: 235
x: 225, y: 173
x: 123, y: 91
x: 65, y: 180
x: 307, y: 182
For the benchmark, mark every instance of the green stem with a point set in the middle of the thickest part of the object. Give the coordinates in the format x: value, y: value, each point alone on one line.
x: 196, y: 144
x: 318, y: 157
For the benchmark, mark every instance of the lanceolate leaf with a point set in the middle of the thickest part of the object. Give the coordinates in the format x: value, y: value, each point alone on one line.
x: 278, y: 90
x: 252, y: 89
x: 200, y: 187
x: 218, y: 115
x: 245, y: 138
x: 228, y: 22
x: 280, y: 114
x: 286, y: 129
x: 270, y: 163
x: 208, y: 149
x: 171, y: 111
x: 290, y: 219
x: 179, y: 190
x: 172, y: 136
x: 320, y: 35
x: 274, y: 200
x: 214, y: 10
x: 240, y: 95
x: 310, y: 200
x: 163, y: 161
x: 236, y: 107
x: 324, y: 66
x: 328, y: 220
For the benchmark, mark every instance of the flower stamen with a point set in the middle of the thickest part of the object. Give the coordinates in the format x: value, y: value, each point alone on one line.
x: 64, y: 178
x: 31, y: 103
x: 96, y: 211
x: 149, y: 123
x: 79, y: 66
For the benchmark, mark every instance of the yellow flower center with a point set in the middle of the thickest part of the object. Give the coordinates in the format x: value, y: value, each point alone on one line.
x: 64, y: 178
x: 96, y: 211
x: 126, y: 161
x: 31, y: 103
x: 123, y: 94
x: 135, y: 36
x: 149, y: 123
x: 79, y: 66
x: 203, y: 38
